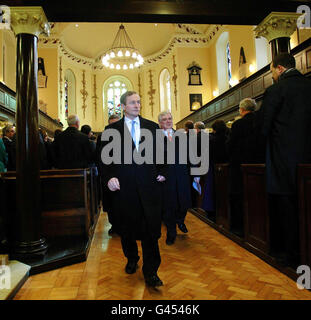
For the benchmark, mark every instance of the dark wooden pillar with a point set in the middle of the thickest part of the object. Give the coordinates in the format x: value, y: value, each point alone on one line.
x: 28, y: 197
x: 279, y: 45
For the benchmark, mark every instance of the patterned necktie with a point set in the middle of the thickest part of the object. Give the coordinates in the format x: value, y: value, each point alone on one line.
x: 133, y: 132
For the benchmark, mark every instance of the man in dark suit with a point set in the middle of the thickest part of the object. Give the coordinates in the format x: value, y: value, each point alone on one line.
x: 72, y: 149
x: 242, y: 148
x: 105, y: 192
x: 286, y: 113
x: 176, y: 188
x: 8, y: 138
x: 136, y: 201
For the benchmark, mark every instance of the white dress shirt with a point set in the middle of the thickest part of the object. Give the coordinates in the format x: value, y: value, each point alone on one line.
x: 137, y: 128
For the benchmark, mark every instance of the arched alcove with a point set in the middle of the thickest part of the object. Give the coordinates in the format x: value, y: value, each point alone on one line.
x: 263, y: 52
x: 165, y: 90
x: 113, y: 88
x: 70, y: 93
x: 222, y: 62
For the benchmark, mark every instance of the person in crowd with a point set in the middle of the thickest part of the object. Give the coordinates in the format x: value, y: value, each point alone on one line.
x: 242, y: 148
x: 9, y: 140
x: 57, y: 132
x: 72, y: 149
x: 87, y: 130
x: 217, y: 154
x: 43, y: 150
x: 286, y: 118
x: 136, y: 201
x: 189, y: 125
x: 176, y: 188
x: 218, y: 142
x: 3, y: 157
x: 106, y: 193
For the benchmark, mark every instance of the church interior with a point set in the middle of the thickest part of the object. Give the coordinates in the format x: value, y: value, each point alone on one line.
x: 196, y: 60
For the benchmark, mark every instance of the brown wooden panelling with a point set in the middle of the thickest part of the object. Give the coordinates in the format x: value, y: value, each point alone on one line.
x: 69, y: 201
x: 308, y: 60
x: 256, y: 215
x: 299, y: 62
x: 258, y: 87
x: 222, y: 195
x: 246, y: 91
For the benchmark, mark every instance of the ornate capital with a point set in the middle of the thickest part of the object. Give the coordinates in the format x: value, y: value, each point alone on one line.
x: 29, y: 20
x: 277, y: 25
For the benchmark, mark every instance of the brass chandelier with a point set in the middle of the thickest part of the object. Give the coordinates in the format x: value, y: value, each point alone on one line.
x: 122, y: 54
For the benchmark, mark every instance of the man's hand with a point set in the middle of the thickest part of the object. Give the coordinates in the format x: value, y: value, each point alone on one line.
x: 113, y: 184
x: 160, y: 178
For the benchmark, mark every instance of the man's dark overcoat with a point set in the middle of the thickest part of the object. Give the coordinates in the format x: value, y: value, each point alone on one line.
x: 137, y: 205
x: 286, y: 112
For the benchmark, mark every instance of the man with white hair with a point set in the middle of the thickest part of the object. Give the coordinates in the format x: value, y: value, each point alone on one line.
x: 243, y: 148
x: 176, y: 189
x: 72, y: 148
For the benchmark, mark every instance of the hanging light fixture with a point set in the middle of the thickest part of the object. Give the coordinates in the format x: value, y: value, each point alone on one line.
x: 122, y: 54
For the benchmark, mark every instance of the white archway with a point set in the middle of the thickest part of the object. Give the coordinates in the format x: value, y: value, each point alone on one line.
x: 263, y: 52
x: 222, y: 62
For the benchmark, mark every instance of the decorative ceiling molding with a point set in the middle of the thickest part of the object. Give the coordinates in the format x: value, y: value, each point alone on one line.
x: 193, y: 38
x: 188, y: 28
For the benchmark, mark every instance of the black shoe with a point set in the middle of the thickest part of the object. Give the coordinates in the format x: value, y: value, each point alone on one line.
x: 111, y: 231
x: 170, y: 240
x: 153, y: 281
x: 182, y: 227
x: 131, y: 267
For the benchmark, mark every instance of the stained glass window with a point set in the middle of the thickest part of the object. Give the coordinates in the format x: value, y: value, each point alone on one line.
x: 115, y: 89
x: 66, y: 98
x: 229, y: 63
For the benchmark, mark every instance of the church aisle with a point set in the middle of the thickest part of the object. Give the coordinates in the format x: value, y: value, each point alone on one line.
x: 202, y: 264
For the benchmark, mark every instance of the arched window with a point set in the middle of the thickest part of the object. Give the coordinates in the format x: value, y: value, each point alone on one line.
x: 70, y: 93
x: 114, y: 87
x: 165, y: 90
x: 229, y: 63
x: 223, y: 62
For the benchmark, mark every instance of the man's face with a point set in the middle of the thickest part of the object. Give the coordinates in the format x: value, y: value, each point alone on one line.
x: 276, y: 71
x: 10, y: 133
x: 132, y: 106
x: 166, y: 122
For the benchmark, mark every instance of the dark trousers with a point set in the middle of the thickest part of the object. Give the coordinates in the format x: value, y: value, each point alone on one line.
x: 172, y: 217
x: 150, y: 250
x: 284, y: 226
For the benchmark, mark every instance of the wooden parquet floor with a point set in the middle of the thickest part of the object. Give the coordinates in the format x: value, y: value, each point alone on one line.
x: 202, y: 264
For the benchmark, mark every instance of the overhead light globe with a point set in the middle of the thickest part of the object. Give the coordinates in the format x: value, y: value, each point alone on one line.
x: 122, y: 53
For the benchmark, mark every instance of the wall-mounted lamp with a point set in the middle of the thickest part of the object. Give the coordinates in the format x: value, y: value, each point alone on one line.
x: 252, y: 68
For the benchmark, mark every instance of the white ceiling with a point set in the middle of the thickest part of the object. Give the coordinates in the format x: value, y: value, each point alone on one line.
x: 92, y: 39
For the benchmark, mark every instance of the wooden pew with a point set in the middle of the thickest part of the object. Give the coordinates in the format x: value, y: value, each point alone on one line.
x: 256, y: 212
x: 304, y: 200
x: 221, y: 174
x: 66, y: 197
